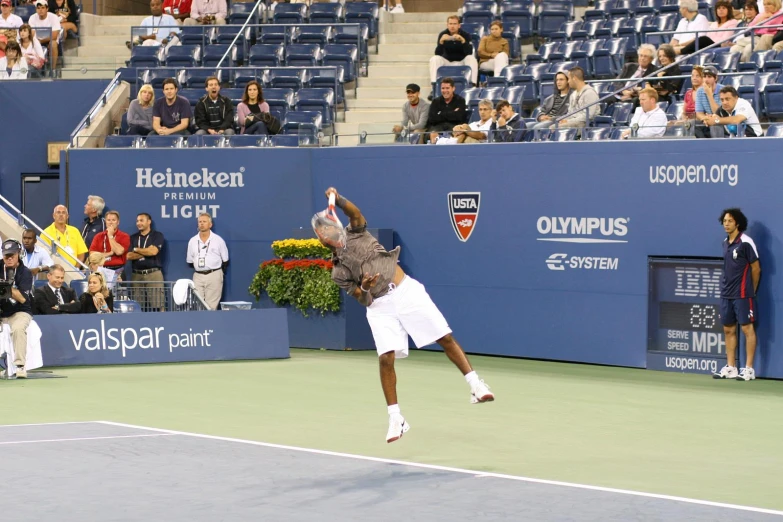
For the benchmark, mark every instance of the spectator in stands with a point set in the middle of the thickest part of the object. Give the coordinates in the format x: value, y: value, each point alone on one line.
x: 493, y: 51
x: 55, y: 298
x: 207, y: 12
x: 414, y: 111
x: 635, y: 70
x: 70, y: 243
x: 95, y: 263
x: 724, y: 19
x: 475, y: 132
x: 112, y: 243
x: 161, y: 28
x: 98, y: 298
x: 447, y: 110
x: 772, y: 15
x: 31, y: 50
x: 735, y: 113
x: 453, y: 48
x: 689, y: 108
x: 208, y: 256
x: 250, y: 108
x: 506, y: 124
x: 667, y: 89
x: 691, y: 21
x: 9, y: 22
x: 214, y: 113
x: 16, y: 312
x: 140, y: 111
x: 147, y: 265
x: 397, y: 6
x: 65, y: 10
x: 93, y: 222
x: 171, y: 114
x: 179, y: 9
x: 13, y: 66
x: 650, y: 119
x: 36, y: 258
x: 43, y: 18
x: 583, y: 96
x: 749, y: 15
x: 707, y: 101
x: 555, y: 105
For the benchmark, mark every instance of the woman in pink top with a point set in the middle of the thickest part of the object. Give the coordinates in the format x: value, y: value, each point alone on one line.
x: 724, y: 16
x: 773, y: 15
x: 697, y: 78
x: 250, y: 108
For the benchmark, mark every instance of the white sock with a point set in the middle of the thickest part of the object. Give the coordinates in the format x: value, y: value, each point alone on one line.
x: 394, y: 408
x: 472, y: 378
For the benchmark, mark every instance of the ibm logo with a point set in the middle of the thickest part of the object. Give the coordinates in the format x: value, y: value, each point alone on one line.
x: 698, y: 282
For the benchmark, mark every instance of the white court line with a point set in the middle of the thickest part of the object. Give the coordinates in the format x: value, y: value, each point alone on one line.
x: 481, y: 474
x: 46, y: 424
x: 88, y: 438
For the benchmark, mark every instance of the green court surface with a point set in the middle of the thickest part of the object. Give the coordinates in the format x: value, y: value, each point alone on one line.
x: 665, y: 433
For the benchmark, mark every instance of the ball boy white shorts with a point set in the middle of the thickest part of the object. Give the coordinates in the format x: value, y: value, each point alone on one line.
x: 405, y: 310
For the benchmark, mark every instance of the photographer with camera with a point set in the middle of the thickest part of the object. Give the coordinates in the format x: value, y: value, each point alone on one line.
x: 16, y: 303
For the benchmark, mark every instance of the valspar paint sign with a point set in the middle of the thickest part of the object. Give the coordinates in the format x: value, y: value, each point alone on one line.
x: 186, y: 194
x: 94, y: 339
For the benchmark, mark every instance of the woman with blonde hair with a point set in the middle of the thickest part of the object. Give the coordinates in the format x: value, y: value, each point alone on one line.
x: 95, y: 264
x: 97, y: 299
x: 140, y: 112
x: 772, y: 15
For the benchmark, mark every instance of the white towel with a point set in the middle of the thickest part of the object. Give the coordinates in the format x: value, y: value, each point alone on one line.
x: 34, y: 356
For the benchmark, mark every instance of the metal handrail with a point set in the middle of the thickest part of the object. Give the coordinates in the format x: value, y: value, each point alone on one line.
x: 22, y: 218
x: 744, y: 30
x: 234, y: 41
x: 99, y: 104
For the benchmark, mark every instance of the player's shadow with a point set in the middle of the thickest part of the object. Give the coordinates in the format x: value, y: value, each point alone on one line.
x: 765, y: 327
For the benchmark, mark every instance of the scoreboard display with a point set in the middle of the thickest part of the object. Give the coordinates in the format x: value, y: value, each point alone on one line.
x: 683, y: 322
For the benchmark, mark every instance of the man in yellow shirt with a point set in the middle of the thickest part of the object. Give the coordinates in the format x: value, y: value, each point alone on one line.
x: 72, y: 245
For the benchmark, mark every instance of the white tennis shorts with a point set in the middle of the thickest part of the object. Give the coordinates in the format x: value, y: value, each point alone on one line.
x: 405, y: 310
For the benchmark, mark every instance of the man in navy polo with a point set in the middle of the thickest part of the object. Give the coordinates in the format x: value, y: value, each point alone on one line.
x: 741, y: 274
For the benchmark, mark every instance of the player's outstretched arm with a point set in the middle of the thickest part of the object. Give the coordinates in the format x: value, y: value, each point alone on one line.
x: 350, y: 210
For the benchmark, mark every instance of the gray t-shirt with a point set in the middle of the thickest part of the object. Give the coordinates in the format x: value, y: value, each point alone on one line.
x: 364, y: 255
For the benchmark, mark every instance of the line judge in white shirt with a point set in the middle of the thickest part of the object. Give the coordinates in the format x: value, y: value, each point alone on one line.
x: 208, y: 255
x: 691, y: 21
x: 649, y: 117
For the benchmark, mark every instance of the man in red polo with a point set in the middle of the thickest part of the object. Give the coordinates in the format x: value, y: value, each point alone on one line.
x: 112, y: 242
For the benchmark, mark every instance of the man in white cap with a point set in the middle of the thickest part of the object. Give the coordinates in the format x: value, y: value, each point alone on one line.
x: 43, y: 18
x: 16, y: 305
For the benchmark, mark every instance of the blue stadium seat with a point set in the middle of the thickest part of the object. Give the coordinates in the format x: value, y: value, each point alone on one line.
x: 327, y: 78
x: 757, y: 61
x: 519, y: 14
x: 550, y: 19
x: 326, y: 13
x: 146, y: 56
x: 514, y: 37
x: 289, y: 13
x: 459, y: 73
x: 478, y: 13
x: 281, y: 100
x: 246, y: 140
x: 313, y: 34
x: 363, y: 12
x: 319, y: 100
x: 24, y: 11
x: 242, y: 76
x: 648, y: 7
x: 472, y: 97
x: 239, y: 12
x: 615, y: 114
x: 562, y: 135
x: 673, y: 131
x: 156, y: 77
x: 183, y: 56
x: 273, y: 34
x: 289, y: 140
x: 345, y: 55
x: 514, y: 95
x: 596, y: 133
x: 195, y: 78
x: 225, y: 35
x: 234, y: 94
x: 600, y: 11
x: 194, y: 34
x: 213, y: 54
x: 476, y: 32
x: 291, y: 78
x: 120, y: 142
x: 302, y: 55
x: 773, y: 100
x: 270, y: 55
x: 308, y: 123
x: 207, y: 140
x: 608, y: 61
x: 192, y: 95
x: 164, y: 142
x: 349, y: 34
x: 674, y: 110
x: 775, y: 130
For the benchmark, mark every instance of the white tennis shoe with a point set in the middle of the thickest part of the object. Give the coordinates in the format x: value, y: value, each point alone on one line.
x: 398, y: 9
x: 746, y: 374
x: 727, y: 372
x: 481, y: 393
x: 397, y: 427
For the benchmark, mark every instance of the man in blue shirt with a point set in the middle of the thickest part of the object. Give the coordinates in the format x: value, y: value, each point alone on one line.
x: 741, y: 274
x: 707, y: 101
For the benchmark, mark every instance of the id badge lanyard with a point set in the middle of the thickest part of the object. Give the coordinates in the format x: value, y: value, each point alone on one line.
x: 202, y: 254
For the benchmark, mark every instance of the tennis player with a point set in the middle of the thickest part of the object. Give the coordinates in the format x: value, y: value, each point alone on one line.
x: 397, y: 306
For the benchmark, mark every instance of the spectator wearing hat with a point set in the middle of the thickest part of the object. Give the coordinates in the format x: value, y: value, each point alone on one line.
x: 36, y: 258
x: 707, y: 101
x: 414, y: 111
x: 9, y: 24
x: 171, y: 114
x: 43, y: 18
x: 16, y: 310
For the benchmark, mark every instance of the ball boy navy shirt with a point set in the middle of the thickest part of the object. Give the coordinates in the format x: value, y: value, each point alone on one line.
x: 737, y: 258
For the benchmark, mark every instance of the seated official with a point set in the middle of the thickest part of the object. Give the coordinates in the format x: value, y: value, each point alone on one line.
x: 54, y: 297
x: 98, y: 298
